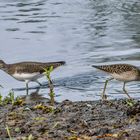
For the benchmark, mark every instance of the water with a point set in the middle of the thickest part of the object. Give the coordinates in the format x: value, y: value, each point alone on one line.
x: 81, y: 32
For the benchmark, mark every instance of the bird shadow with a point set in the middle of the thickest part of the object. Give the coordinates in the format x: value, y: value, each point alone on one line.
x: 34, y: 97
x: 43, y: 86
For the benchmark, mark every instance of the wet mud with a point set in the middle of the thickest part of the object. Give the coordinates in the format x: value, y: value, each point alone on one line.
x: 84, y: 120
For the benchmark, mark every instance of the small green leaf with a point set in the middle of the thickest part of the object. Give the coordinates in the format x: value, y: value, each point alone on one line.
x: 130, y: 102
x: 17, y: 129
x: 51, y: 69
x: 30, y: 137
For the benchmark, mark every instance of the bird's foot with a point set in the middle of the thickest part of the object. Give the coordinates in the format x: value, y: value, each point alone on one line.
x: 39, y: 84
x: 104, y: 97
x: 125, y: 91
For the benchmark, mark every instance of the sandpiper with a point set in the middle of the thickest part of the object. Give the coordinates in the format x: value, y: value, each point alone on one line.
x: 121, y: 72
x: 28, y: 71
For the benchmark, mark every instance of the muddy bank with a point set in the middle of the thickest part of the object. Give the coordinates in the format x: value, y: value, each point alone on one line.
x: 91, y: 120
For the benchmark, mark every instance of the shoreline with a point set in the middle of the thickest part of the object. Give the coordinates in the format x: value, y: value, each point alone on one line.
x: 82, y: 120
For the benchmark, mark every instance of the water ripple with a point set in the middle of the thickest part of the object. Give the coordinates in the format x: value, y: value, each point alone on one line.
x: 78, y: 31
x: 32, y: 21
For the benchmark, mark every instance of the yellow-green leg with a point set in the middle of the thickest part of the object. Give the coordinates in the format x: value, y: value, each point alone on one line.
x: 27, y: 89
x: 126, y: 91
x: 103, y: 94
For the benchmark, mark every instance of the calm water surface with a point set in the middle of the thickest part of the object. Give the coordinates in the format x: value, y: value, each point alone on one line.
x: 81, y: 32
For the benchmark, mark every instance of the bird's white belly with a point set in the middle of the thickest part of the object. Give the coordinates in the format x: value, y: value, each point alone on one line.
x: 126, y: 76
x: 27, y: 76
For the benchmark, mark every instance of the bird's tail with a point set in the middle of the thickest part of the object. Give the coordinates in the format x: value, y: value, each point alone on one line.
x: 59, y: 63
x: 56, y: 64
x: 62, y: 62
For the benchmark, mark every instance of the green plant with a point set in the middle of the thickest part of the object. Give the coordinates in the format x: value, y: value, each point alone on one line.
x: 130, y: 102
x: 12, y: 97
x: 9, y: 99
x: 8, y: 132
x: 1, y: 101
x: 30, y: 137
x: 50, y: 83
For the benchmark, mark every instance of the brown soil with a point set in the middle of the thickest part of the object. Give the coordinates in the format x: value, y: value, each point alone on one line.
x: 90, y: 120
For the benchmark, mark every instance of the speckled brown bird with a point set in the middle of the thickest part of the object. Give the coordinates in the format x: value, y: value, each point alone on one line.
x: 28, y: 71
x: 120, y: 72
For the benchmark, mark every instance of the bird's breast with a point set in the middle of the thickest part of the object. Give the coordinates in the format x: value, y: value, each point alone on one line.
x: 125, y: 76
x: 27, y: 76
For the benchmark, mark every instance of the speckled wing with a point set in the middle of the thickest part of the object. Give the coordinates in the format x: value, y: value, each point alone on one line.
x: 117, y: 68
x: 32, y: 67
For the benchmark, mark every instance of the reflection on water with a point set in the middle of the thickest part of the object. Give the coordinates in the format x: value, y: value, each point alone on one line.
x: 80, y: 32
